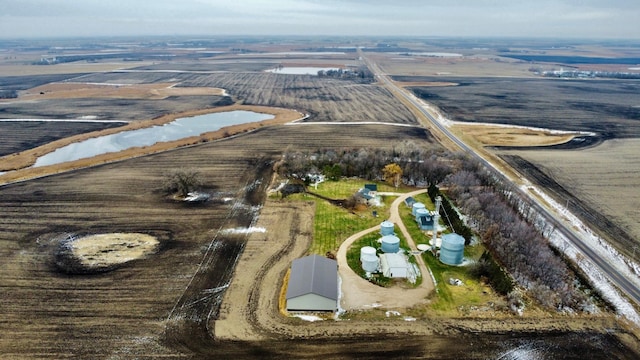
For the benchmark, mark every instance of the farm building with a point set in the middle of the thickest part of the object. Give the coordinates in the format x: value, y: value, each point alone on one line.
x: 368, y: 195
x: 372, y: 188
x: 409, y: 201
x: 313, y: 284
x: 394, y: 265
x: 425, y: 219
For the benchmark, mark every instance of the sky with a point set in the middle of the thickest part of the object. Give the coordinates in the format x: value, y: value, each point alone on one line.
x: 586, y: 19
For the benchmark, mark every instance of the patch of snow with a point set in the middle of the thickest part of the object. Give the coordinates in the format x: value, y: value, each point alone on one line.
x: 409, y: 318
x: 311, y: 318
x: 392, y: 312
x: 340, y: 310
x: 351, y: 123
x: 307, y: 70
x: 374, y: 305
x: 248, y: 230
x: 624, y: 265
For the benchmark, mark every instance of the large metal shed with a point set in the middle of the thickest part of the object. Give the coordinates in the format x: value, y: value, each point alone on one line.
x: 313, y: 284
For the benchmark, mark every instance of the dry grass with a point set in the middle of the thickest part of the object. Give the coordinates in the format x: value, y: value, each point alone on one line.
x: 106, y: 250
x: 492, y: 135
x: 155, y: 91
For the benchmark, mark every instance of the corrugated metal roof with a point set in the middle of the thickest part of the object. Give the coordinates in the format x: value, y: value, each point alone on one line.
x: 313, y: 274
x: 395, y: 260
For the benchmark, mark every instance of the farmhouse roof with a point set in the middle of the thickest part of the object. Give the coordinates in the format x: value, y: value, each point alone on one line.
x: 365, y: 193
x: 313, y: 274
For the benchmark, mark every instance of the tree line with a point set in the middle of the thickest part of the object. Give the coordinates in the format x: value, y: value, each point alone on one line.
x: 506, y: 226
x: 420, y: 165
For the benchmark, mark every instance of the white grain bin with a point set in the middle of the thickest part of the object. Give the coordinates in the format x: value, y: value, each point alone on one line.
x: 367, y: 251
x: 417, y: 206
x: 390, y: 244
x: 452, y: 249
x: 387, y: 228
x: 370, y: 263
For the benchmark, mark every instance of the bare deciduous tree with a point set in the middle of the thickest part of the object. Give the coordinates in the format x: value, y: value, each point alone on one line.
x: 182, y: 181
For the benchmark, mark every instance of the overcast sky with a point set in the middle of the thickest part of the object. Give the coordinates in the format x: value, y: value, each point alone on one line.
x: 531, y: 18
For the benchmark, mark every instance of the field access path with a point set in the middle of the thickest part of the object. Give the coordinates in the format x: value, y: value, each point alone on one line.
x: 358, y: 293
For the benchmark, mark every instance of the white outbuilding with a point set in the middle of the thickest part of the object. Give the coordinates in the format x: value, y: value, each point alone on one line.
x: 394, y: 265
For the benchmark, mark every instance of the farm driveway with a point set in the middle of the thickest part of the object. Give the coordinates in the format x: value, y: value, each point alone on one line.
x: 358, y: 293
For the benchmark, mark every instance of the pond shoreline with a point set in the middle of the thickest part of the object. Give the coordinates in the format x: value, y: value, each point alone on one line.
x: 18, y: 165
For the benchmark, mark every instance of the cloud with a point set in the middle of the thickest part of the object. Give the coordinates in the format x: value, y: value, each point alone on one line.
x: 559, y: 18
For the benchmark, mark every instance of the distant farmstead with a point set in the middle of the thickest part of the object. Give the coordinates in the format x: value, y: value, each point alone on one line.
x: 313, y: 284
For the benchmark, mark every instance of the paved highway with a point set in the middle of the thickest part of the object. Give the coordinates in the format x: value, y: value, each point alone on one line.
x: 614, y: 272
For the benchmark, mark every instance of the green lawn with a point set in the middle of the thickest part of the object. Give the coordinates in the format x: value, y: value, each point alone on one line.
x: 334, y: 224
x: 451, y: 298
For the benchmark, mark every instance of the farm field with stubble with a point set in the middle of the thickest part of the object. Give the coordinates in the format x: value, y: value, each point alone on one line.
x: 210, y: 287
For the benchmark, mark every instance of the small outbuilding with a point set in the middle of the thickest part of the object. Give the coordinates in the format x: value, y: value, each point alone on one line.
x: 394, y: 265
x: 409, y: 201
x: 313, y: 284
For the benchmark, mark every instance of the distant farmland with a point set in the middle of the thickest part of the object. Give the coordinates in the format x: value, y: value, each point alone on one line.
x: 607, y: 107
x: 595, y: 182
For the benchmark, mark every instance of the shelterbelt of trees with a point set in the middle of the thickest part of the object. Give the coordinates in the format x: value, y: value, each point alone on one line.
x: 495, y: 214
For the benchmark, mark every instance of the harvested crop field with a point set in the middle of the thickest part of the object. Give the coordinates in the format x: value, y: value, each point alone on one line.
x: 152, y: 305
x: 163, y: 305
x: 324, y: 99
x: 108, y: 108
x: 601, y: 184
x: 468, y: 66
x: 606, y: 107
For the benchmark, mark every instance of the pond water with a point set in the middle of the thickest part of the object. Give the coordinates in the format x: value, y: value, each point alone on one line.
x: 175, y: 130
x: 299, y: 70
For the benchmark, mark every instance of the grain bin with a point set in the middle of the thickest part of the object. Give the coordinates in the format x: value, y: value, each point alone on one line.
x: 417, y: 206
x: 367, y: 251
x: 370, y: 263
x: 386, y: 228
x: 390, y: 244
x: 422, y: 213
x: 452, y: 249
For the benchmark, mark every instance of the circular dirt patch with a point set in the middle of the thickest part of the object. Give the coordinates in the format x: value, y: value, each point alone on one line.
x: 102, y: 252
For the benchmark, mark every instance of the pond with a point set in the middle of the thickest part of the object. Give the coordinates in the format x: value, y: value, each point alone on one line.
x: 175, y: 130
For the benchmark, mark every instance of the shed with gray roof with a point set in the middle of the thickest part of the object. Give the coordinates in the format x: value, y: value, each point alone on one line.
x: 313, y: 284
